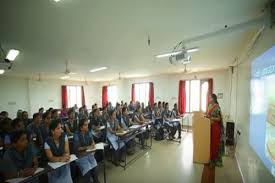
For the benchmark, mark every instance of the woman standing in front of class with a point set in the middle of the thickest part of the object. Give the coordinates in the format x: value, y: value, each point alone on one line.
x: 216, y: 140
x: 57, y: 150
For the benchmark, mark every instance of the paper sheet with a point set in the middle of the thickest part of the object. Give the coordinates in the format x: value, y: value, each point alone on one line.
x: 15, y: 180
x: 70, y: 137
x: 56, y: 165
x: 102, y: 128
x: 134, y: 126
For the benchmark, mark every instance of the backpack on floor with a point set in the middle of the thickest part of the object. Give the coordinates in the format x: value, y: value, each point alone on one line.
x: 159, y: 134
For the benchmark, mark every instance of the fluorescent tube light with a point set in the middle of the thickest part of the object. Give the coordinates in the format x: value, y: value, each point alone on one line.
x: 12, y: 54
x: 98, y: 69
x: 169, y: 54
x: 192, y: 50
x: 65, y: 77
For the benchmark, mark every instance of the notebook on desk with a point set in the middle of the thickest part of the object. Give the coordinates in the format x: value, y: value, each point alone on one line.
x: 55, y: 165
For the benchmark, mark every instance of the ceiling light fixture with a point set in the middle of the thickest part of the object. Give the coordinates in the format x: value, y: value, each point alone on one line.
x: 98, y: 69
x: 56, y: 1
x: 65, y: 77
x: 169, y: 54
x: 2, y: 71
x: 12, y: 54
x: 192, y: 50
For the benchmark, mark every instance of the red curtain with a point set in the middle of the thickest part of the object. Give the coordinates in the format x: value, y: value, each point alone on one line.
x: 151, y: 94
x: 209, y: 92
x: 64, y: 96
x: 182, y: 97
x: 82, y: 96
x: 133, y: 93
x: 104, y: 96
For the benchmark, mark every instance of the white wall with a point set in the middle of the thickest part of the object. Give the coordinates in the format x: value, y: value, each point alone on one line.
x: 166, y: 86
x: 30, y: 95
x: 251, y: 166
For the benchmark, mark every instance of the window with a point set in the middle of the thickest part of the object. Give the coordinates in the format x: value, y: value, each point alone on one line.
x: 112, y: 95
x: 74, y: 96
x: 142, y: 93
x: 196, y: 95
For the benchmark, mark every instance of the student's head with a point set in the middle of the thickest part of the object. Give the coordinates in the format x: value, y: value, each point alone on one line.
x: 55, y: 128
x: 163, y: 104
x: 159, y: 104
x: 96, y: 113
x: 36, y: 118
x: 6, y: 124
x: 41, y: 110
x: 18, y: 124
x: 113, y: 114
x: 71, y: 113
x: 83, y: 125
x: 55, y: 114
x: 19, y: 140
x: 47, y: 118
x: 124, y: 111
x: 155, y: 105
x: 19, y: 113
x: 166, y: 105
x: 50, y: 109
x: 175, y: 106
x: 138, y: 109
x: 4, y: 114
x: 214, y: 99
x: 25, y: 115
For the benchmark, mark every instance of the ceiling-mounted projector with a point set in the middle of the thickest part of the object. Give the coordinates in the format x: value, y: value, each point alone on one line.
x: 182, y: 58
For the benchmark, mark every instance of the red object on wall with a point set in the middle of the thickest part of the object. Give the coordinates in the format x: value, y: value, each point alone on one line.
x: 151, y: 94
x: 182, y: 97
x: 104, y: 96
x: 64, y: 96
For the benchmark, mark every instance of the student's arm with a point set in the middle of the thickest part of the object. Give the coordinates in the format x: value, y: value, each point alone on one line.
x: 53, y: 158
x: 67, y: 149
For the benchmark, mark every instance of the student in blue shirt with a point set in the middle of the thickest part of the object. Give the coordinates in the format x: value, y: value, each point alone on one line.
x: 81, y: 142
x: 113, y: 127
x: 45, y: 126
x: 34, y: 131
x: 25, y: 118
x: 5, y: 133
x: 21, y: 157
x: 71, y: 123
x: 57, y: 150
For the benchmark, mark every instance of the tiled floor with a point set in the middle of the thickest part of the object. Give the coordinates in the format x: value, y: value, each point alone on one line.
x: 170, y: 162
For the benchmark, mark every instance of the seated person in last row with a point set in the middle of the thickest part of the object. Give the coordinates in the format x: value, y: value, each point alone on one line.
x: 57, y: 150
x: 81, y: 142
x: 22, y: 160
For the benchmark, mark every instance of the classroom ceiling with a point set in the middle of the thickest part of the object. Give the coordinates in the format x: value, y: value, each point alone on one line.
x: 93, y: 33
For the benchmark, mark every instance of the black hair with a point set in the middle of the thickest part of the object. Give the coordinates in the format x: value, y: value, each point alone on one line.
x: 15, y: 122
x: 41, y: 108
x: 16, y: 135
x: 54, y: 111
x: 54, y: 124
x: 4, y: 113
x: 214, y: 97
x: 71, y: 110
x: 124, y: 109
x: 24, y: 112
x: 35, y: 115
x: 81, y: 123
x: 5, y: 121
x: 46, y: 114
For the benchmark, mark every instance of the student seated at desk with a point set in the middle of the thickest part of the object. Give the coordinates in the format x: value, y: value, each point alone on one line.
x: 113, y: 128
x: 125, y: 123
x: 57, y: 150
x: 138, y: 117
x: 21, y: 157
x: 25, y: 118
x: 45, y: 126
x: 71, y: 123
x: 55, y: 114
x: 96, y: 122
x: 172, y: 126
x: 34, y: 131
x: 5, y: 133
x: 105, y: 114
x: 175, y: 112
x: 81, y: 142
